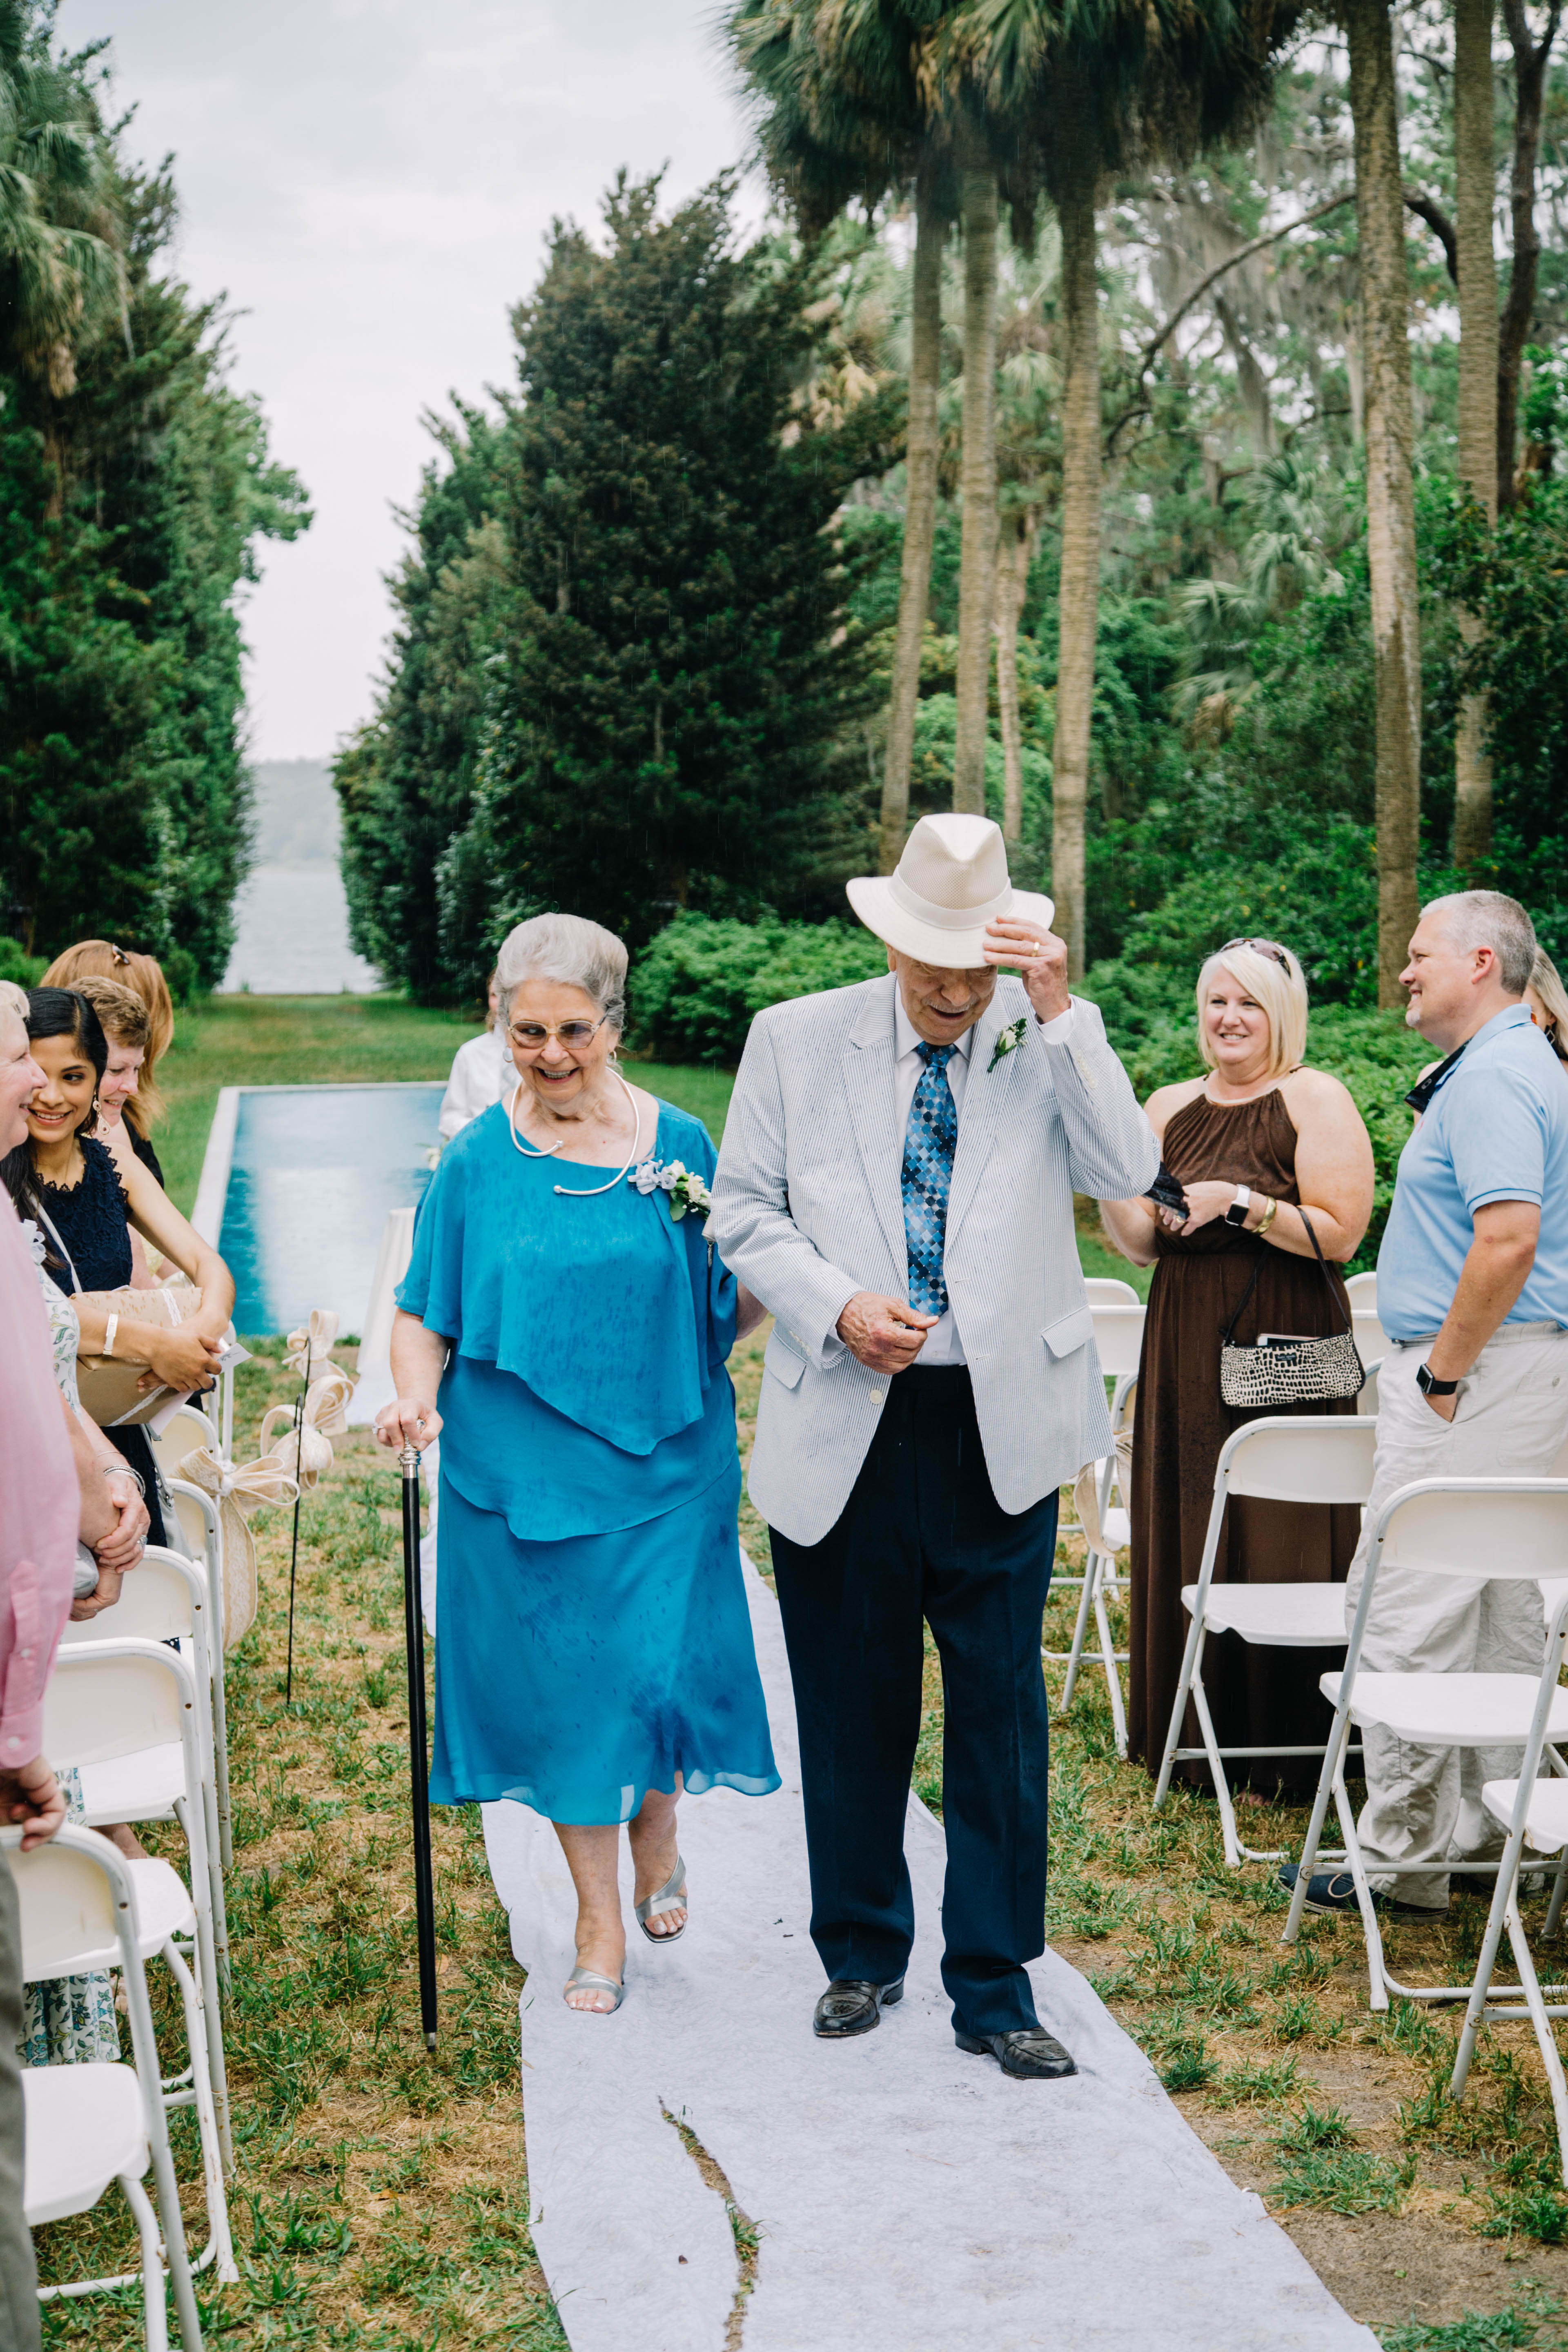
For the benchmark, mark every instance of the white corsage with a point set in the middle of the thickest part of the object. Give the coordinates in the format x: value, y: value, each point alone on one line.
x: 684, y: 1186
x: 34, y: 1240
x: 1007, y: 1041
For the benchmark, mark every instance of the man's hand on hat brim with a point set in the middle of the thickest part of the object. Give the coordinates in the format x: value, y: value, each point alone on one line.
x: 1039, y: 958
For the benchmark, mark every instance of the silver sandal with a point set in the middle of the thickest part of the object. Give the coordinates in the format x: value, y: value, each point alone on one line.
x: 594, y: 1982
x: 672, y: 1896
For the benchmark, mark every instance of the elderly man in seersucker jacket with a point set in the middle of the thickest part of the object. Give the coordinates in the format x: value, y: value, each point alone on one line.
x: 896, y: 1184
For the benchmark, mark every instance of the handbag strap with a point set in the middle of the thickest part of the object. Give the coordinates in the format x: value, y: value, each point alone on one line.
x: 76, y: 1278
x: 1225, y: 1338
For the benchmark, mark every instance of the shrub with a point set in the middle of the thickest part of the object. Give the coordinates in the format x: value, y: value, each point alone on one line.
x: 16, y: 965
x: 696, y: 988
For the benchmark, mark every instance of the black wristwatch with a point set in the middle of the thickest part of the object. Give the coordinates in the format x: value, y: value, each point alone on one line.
x: 1430, y: 1387
x: 1240, y: 1208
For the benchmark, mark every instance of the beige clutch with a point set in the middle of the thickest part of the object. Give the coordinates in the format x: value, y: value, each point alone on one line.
x: 106, y: 1384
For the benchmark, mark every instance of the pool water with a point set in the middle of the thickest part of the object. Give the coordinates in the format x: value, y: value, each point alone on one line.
x: 314, y: 1174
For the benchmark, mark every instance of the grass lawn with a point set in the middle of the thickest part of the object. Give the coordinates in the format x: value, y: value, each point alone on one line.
x: 381, y: 2202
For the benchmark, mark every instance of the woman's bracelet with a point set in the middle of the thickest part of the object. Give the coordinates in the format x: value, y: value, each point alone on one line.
x: 123, y: 1470
x: 1266, y: 1219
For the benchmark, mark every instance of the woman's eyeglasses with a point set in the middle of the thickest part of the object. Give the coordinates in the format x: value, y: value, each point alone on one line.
x: 532, y: 1035
x: 1262, y: 947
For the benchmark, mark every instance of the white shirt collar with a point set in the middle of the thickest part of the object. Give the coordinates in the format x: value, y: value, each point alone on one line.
x: 907, y: 1036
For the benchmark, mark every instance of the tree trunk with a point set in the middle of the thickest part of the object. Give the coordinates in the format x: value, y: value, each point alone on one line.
x: 1476, y: 176
x: 1015, y: 547
x: 1530, y: 63
x: 978, y: 557
x: 1390, y: 507
x: 920, y: 525
x: 1078, y: 593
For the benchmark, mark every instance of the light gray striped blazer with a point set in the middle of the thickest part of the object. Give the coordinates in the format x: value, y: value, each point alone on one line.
x: 808, y: 1209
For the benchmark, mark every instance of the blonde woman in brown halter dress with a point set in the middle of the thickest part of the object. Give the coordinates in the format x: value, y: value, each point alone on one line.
x: 1249, y: 1143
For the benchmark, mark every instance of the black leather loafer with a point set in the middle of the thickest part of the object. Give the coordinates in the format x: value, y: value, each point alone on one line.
x: 853, y: 2005
x: 1030, y: 2051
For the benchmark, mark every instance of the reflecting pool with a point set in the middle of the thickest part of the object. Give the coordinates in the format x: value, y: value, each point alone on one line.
x: 315, y: 1171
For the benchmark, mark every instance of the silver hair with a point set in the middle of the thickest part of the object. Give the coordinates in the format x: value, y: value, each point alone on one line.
x: 14, y: 998
x: 1490, y: 919
x: 569, y: 950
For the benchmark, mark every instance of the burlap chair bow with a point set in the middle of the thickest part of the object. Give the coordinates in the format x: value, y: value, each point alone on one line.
x: 1086, y: 1494
x: 237, y: 1489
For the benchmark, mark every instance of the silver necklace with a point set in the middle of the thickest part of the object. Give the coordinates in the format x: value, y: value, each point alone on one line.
x: 573, y: 1192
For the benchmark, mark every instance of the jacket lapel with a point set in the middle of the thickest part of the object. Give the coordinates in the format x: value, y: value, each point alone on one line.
x: 985, y: 1094
x: 868, y: 1068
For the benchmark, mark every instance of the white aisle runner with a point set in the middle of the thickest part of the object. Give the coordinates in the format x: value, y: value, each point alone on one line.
x: 907, y: 2196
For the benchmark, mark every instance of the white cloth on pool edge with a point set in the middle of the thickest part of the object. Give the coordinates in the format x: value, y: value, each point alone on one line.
x: 905, y: 2194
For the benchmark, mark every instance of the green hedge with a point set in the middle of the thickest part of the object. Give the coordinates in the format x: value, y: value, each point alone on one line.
x: 697, y: 986
x: 16, y: 965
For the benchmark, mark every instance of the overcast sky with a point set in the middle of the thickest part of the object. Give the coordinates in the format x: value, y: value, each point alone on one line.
x: 370, y: 182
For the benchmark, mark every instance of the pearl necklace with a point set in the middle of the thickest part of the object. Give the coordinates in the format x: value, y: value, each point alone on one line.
x: 573, y: 1192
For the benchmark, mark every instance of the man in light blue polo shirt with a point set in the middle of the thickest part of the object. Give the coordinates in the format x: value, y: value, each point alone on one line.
x: 1472, y: 1288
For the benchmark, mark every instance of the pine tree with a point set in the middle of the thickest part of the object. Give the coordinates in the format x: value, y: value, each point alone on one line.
x: 663, y: 717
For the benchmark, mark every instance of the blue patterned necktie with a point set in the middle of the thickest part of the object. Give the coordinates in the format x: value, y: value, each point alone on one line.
x: 930, y: 1140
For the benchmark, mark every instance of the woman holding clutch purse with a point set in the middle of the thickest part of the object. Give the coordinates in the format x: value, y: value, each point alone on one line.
x: 66, y: 1181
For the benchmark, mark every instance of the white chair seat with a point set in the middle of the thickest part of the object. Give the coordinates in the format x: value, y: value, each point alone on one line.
x: 1451, y: 1710
x: 1281, y: 1616
x: 84, y: 2128
x: 1545, y: 1824
x: 164, y: 1906
x: 141, y: 1786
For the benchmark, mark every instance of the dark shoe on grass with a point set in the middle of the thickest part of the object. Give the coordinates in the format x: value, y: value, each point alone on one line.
x: 1333, y: 1892
x: 1029, y: 2053
x: 853, y: 2005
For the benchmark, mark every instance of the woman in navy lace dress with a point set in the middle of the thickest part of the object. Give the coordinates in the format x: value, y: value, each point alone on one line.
x: 65, y: 1179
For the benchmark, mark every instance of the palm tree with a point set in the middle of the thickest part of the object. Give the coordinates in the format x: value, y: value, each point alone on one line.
x: 1390, y: 429
x: 845, y: 114
x: 1476, y: 176
x: 61, y: 273
x: 1090, y: 93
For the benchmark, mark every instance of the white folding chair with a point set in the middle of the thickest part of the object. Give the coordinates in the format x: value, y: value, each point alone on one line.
x: 1315, y: 1458
x: 186, y: 1429
x: 87, y: 2125
x: 1107, y: 1530
x: 201, y: 1527
x: 166, y: 1599
x: 1445, y: 1528
x: 1110, y: 1290
x: 1370, y: 1338
x: 126, y: 1713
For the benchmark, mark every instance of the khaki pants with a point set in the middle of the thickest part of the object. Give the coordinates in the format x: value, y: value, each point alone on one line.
x: 1511, y: 1421
x: 19, y: 2325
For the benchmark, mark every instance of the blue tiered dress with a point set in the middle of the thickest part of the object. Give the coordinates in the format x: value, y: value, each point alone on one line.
x: 591, y: 1633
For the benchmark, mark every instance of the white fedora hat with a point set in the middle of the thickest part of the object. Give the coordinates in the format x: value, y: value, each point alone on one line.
x: 951, y: 881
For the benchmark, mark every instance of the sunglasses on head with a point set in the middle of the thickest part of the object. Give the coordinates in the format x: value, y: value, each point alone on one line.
x: 1262, y: 947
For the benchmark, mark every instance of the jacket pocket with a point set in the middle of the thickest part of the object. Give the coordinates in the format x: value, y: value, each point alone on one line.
x: 1069, y: 1332
x: 783, y: 1361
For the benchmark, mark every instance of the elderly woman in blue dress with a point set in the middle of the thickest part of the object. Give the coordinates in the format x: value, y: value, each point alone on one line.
x: 563, y: 1327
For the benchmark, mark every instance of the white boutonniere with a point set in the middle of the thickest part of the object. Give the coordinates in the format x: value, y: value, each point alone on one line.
x: 1007, y: 1041
x: 684, y: 1186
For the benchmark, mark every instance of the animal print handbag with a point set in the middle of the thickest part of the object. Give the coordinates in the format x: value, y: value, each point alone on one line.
x: 1286, y: 1368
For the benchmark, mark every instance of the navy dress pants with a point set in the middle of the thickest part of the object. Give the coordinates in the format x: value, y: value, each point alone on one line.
x: 922, y: 1536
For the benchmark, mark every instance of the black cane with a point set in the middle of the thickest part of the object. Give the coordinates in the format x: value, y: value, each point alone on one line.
x: 418, y: 1766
